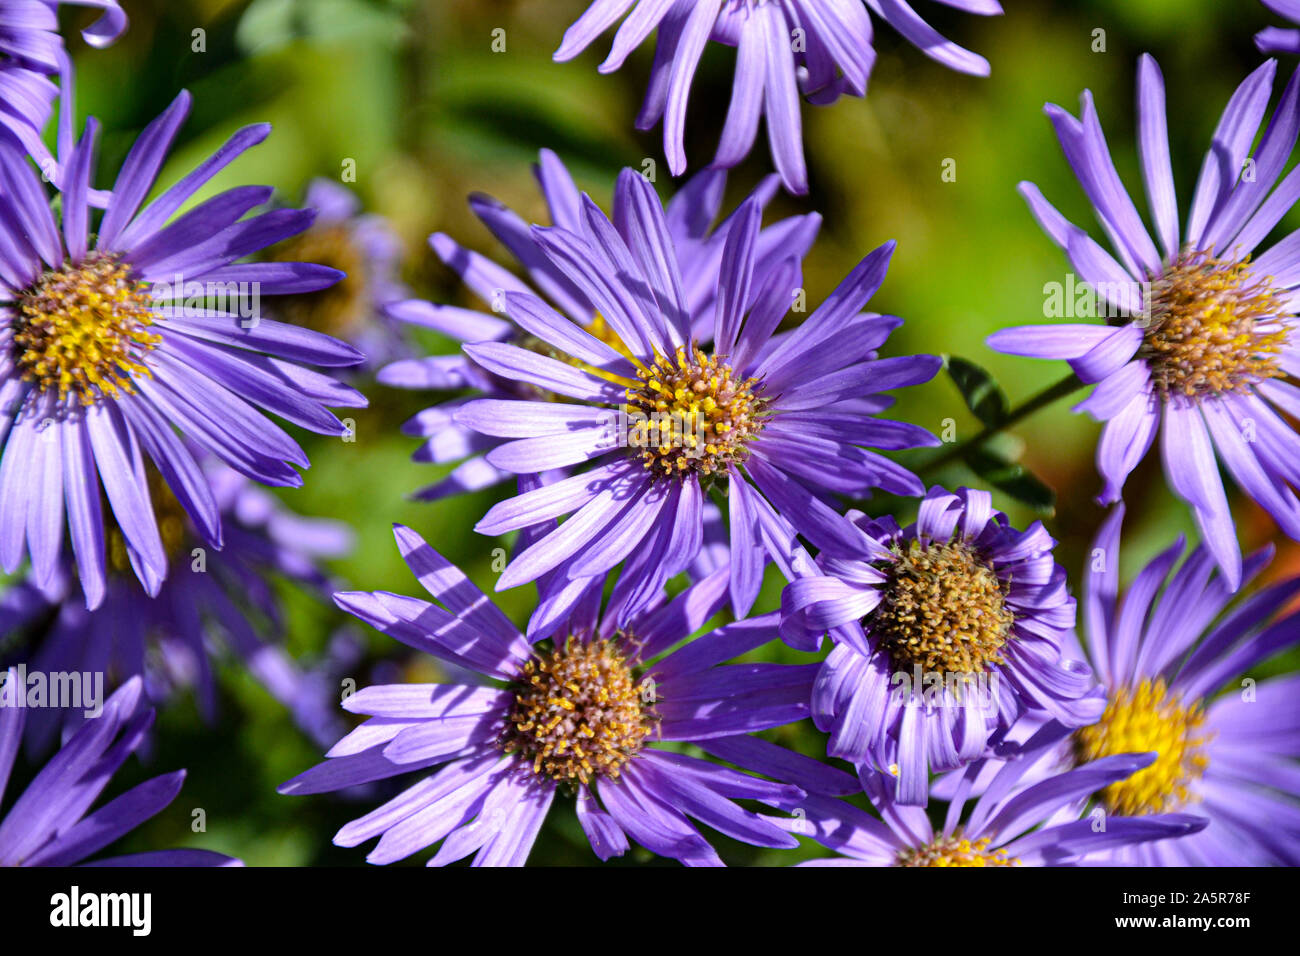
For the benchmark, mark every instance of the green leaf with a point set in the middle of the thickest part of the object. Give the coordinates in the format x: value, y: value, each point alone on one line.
x: 981, y: 392
x: 1013, y: 479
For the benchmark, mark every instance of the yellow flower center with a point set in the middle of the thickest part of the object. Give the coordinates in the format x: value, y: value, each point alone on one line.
x: 690, y: 413
x: 84, y: 329
x: 1212, y: 327
x: 1140, y: 720
x: 943, y: 609
x: 578, y: 712
x: 686, y: 414
x: 956, y: 851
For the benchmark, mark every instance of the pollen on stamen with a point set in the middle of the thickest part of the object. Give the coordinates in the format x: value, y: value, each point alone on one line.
x: 83, y: 330
x: 692, y: 414
x: 1212, y: 327
x: 955, y: 851
x: 1143, y: 719
x: 578, y: 713
x: 943, y: 609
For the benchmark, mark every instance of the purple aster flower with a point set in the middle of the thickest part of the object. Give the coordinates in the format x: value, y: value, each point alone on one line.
x: 48, y: 825
x: 107, y: 348
x: 1203, y: 332
x: 1044, y: 823
x: 784, y: 50
x: 169, y: 639
x: 31, y: 51
x: 658, y: 417
x: 581, y: 714
x: 946, y: 632
x: 1277, y: 39
x: 1175, y: 669
x: 690, y: 217
x: 366, y: 250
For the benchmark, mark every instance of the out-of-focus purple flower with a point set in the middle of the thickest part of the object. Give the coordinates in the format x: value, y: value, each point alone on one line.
x: 657, y: 414
x: 1278, y: 39
x: 366, y: 250
x: 169, y: 639
x: 784, y: 50
x: 1044, y: 823
x: 1200, y: 337
x: 31, y: 51
x: 946, y: 632
x: 696, y: 243
x: 1175, y: 669
x: 580, y: 716
x: 106, y: 349
x: 48, y: 824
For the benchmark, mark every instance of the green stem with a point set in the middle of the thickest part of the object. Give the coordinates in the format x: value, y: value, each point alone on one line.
x: 1046, y: 397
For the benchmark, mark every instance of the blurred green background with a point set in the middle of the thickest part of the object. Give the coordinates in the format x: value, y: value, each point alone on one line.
x: 413, y: 92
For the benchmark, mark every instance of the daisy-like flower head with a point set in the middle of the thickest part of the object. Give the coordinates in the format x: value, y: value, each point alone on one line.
x: 48, y: 824
x: 1203, y: 336
x: 31, y: 51
x: 1279, y: 39
x: 366, y: 250
x: 581, y: 714
x: 693, y: 240
x: 106, y: 348
x: 784, y: 49
x: 1048, y: 822
x: 1176, y: 672
x: 945, y: 632
x: 777, y: 420
x: 168, y: 639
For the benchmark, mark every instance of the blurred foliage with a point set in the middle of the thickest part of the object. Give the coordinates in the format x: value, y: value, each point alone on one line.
x: 411, y: 91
